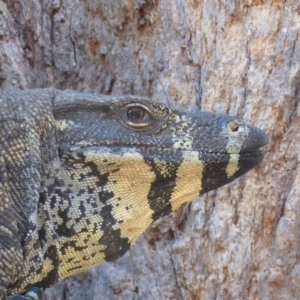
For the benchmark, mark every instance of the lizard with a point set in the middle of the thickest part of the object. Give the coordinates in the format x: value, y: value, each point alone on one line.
x: 83, y: 175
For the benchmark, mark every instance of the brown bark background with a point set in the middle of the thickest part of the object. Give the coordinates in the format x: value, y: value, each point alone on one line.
x: 228, y: 56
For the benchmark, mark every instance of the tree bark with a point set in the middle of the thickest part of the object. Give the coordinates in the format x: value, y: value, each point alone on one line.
x: 239, y: 57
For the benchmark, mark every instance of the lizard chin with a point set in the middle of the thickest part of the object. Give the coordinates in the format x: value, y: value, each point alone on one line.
x: 164, y: 178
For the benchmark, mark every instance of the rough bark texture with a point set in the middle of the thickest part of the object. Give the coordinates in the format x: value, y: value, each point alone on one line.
x: 228, y: 56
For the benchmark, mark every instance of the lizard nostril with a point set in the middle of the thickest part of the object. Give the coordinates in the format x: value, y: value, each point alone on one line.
x: 233, y: 126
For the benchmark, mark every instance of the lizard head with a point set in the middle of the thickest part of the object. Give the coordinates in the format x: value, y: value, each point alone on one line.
x: 128, y: 161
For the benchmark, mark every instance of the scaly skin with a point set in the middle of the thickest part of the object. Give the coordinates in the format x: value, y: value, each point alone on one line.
x: 82, y: 176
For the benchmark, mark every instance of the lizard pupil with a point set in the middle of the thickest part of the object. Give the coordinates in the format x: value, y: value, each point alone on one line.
x: 135, y: 114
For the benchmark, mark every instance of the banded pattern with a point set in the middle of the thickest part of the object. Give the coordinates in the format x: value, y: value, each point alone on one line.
x: 103, y: 169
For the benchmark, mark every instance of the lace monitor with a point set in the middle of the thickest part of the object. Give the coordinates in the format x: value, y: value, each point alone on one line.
x: 83, y: 175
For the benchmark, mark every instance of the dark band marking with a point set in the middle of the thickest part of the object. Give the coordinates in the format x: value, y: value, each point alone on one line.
x: 214, y: 173
x: 116, y: 245
x: 160, y: 194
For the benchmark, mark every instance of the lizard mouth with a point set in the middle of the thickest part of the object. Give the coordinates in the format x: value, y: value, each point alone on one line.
x: 116, y: 147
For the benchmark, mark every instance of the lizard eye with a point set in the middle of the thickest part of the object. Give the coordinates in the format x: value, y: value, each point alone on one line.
x: 135, y: 114
x: 140, y: 115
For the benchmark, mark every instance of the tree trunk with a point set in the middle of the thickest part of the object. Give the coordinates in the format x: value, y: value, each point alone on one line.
x: 239, y: 57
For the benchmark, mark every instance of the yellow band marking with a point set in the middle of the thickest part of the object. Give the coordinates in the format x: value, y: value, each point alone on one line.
x: 130, y: 182
x: 233, y: 165
x: 189, y: 180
